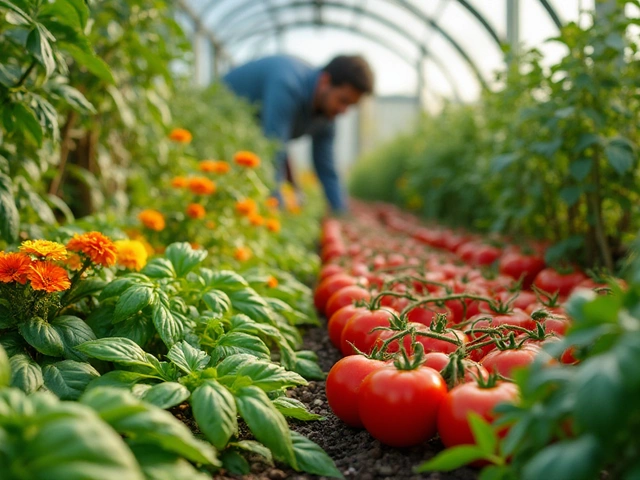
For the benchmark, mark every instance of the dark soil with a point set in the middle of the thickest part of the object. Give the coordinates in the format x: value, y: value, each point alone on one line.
x: 358, y: 455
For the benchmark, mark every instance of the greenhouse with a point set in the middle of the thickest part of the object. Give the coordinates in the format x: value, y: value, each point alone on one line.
x: 300, y: 239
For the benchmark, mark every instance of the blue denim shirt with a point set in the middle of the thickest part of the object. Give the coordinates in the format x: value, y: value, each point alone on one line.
x: 283, y: 87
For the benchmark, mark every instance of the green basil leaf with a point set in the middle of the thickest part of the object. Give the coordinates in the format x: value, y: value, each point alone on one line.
x: 308, y: 368
x: 483, y: 433
x: 117, y: 287
x: 86, y: 288
x: 159, y: 268
x: 236, y: 342
x: 26, y: 118
x: 147, y: 424
x: 266, y: 423
x: 158, y: 464
x: 311, y: 458
x: 133, y: 300
x: 166, y: 395
x: 451, y: 458
x: 575, y: 459
x: 225, y: 280
x: 9, y: 216
x: 89, y: 60
x: 168, y: 327
x: 217, y: 301
x: 188, y: 358
x: 68, y: 379
x: 73, y: 331
x: 120, y: 379
x: 254, y: 447
x: 116, y: 349
x: 25, y: 373
x: 184, y: 258
x: 231, y: 364
x: 247, y: 301
x: 42, y: 336
x: 5, y: 369
x: 235, y: 463
x: 215, y: 412
x: 269, y: 376
x: 292, y: 408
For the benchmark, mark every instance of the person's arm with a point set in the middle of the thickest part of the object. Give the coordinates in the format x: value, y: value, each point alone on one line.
x: 324, y: 163
x: 278, y: 110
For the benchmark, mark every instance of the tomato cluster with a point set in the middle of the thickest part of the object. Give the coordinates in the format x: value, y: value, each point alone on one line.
x: 432, y: 322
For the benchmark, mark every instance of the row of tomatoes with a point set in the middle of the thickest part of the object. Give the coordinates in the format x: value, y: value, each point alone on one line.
x: 426, y: 336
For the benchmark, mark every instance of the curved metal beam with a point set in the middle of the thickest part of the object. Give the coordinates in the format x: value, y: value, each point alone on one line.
x: 552, y: 13
x: 340, y: 6
x: 377, y: 39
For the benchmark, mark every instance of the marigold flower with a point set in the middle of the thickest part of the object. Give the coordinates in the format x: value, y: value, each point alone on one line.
x: 201, y: 186
x: 272, y: 282
x: 256, y: 219
x: 210, y: 224
x: 273, y: 225
x: 246, y: 159
x: 134, y: 234
x: 132, y: 254
x: 74, y: 262
x: 246, y: 206
x: 195, y: 210
x: 44, y: 249
x: 272, y: 202
x: 195, y: 245
x: 180, y: 135
x: 152, y: 219
x: 96, y: 246
x: 214, y: 166
x: 179, y: 182
x: 14, y: 267
x: 48, y: 276
x: 242, y: 254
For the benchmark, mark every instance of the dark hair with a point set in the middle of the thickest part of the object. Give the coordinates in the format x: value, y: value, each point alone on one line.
x: 351, y: 69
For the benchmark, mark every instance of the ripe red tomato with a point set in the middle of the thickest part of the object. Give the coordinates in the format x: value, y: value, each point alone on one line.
x: 338, y: 320
x: 436, y: 345
x: 516, y: 264
x: 400, y: 407
x: 330, y: 269
x: 552, y: 281
x: 345, y: 296
x: 328, y: 287
x: 453, y: 416
x: 486, y: 255
x: 504, y: 361
x: 343, y: 382
x: 357, y: 330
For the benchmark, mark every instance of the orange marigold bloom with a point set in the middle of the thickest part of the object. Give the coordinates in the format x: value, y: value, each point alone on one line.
x: 246, y: 159
x: 246, y: 206
x: 272, y: 282
x: 180, y: 135
x: 273, y: 225
x: 132, y: 254
x: 272, y: 202
x: 14, y: 267
x: 195, y: 210
x: 179, y: 182
x: 210, y: 224
x: 242, y: 254
x: 152, y: 219
x: 74, y: 262
x: 256, y: 219
x: 44, y: 249
x: 48, y: 276
x: 222, y: 167
x: 214, y: 166
x: 201, y: 186
x: 96, y: 246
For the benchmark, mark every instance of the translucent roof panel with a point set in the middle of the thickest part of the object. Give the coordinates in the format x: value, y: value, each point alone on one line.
x: 391, y: 35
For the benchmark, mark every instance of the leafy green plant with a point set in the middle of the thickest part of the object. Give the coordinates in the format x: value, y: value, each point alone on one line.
x: 218, y: 391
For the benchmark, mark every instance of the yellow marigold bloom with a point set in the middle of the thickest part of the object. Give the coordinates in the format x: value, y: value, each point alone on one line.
x: 195, y: 210
x: 180, y: 135
x: 246, y: 206
x: 14, y: 267
x: 256, y: 219
x: 272, y: 202
x: 44, y: 249
x: 48, y: 276
x: 246, y: 159
x: 179, y: 182
x: 152, y: 219
x: 273, y: 225
x: 210, y: 224
x: 134, y: 234
x: 96, y: 246
x: 272, y: 282
x: 201, y: 186
x: 242, y: 254
x: 132, y: 254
